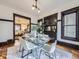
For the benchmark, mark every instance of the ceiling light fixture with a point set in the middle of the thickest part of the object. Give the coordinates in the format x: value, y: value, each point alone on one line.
x: 34, y: 6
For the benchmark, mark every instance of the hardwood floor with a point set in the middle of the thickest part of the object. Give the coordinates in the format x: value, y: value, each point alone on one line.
x: 75, y: 53
x: 3, y: 53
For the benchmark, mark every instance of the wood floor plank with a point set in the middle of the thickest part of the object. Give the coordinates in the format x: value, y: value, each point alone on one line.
x: 75, y: 53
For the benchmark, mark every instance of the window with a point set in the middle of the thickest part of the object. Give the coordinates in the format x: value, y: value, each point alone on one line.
x: 69, y: 24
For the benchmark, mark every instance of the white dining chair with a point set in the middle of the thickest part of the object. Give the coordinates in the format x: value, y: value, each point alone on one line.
x: 26, y: 46
x: 21, y: 43
x: 23, y: 47
x: 49, y: 50
x: 12, y: 52
x: 14, y: 49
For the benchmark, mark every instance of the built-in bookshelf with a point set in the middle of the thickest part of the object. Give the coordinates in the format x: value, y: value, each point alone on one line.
x: 49, y: 25
x: 40, y: 26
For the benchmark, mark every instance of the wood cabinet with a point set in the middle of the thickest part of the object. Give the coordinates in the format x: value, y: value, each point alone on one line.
x: 40, y: 26
x: 49, y: 25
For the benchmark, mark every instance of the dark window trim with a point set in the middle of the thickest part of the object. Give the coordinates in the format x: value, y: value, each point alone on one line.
x: 72, y: 10
x: 14, y: 14
x: 76, y: 10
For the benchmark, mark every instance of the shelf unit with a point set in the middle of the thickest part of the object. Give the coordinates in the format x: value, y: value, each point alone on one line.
x: 49, y: 25
x: 40, y: 26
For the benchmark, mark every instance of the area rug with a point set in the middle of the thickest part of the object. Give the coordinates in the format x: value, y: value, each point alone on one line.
x: 60, y: 54
x: 3, y: 52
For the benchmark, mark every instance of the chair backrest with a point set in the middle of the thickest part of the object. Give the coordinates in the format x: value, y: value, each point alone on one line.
x: 22, y: 42
x: 53, y: 46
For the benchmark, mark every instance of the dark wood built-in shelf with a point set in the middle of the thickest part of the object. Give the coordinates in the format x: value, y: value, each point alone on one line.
x: 49, y: 25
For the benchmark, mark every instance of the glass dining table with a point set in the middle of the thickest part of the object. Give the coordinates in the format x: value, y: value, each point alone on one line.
x: 33, y: 44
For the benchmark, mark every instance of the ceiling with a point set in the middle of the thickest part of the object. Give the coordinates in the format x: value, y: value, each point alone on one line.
x: 26, y: 5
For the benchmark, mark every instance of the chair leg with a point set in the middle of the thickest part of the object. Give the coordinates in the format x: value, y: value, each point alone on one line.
x: 27, y: 57
x: 39, y: 54
x: 22, y: 52
x: 49, y: 57
x: 20, y: 48
x: 36, y: 54
x: 55, y: 54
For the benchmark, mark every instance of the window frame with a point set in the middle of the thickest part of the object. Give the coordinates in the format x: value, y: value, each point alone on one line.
x: 70, y: 11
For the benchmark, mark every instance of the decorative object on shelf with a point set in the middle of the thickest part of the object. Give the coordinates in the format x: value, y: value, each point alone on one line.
x: 34, y: 6
x: 49, y: 25
x: 48, y: 28
x: 40, y: 26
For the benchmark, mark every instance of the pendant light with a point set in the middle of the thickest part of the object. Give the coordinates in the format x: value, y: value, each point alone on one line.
x: 34, y: 6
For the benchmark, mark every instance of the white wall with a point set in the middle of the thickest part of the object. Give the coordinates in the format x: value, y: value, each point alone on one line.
x: 70, y: 5
x: 7, y: 13
x: 6, y: 31
x: 64, y: 7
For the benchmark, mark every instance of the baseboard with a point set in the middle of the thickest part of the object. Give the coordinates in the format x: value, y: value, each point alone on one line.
x: 68, y: 45
x: 6, y: 43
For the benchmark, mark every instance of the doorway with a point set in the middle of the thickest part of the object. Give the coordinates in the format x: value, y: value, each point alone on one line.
x: 22, y: 25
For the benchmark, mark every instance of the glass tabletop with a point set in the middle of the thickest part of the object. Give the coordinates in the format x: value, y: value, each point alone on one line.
x: 36, y: 41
